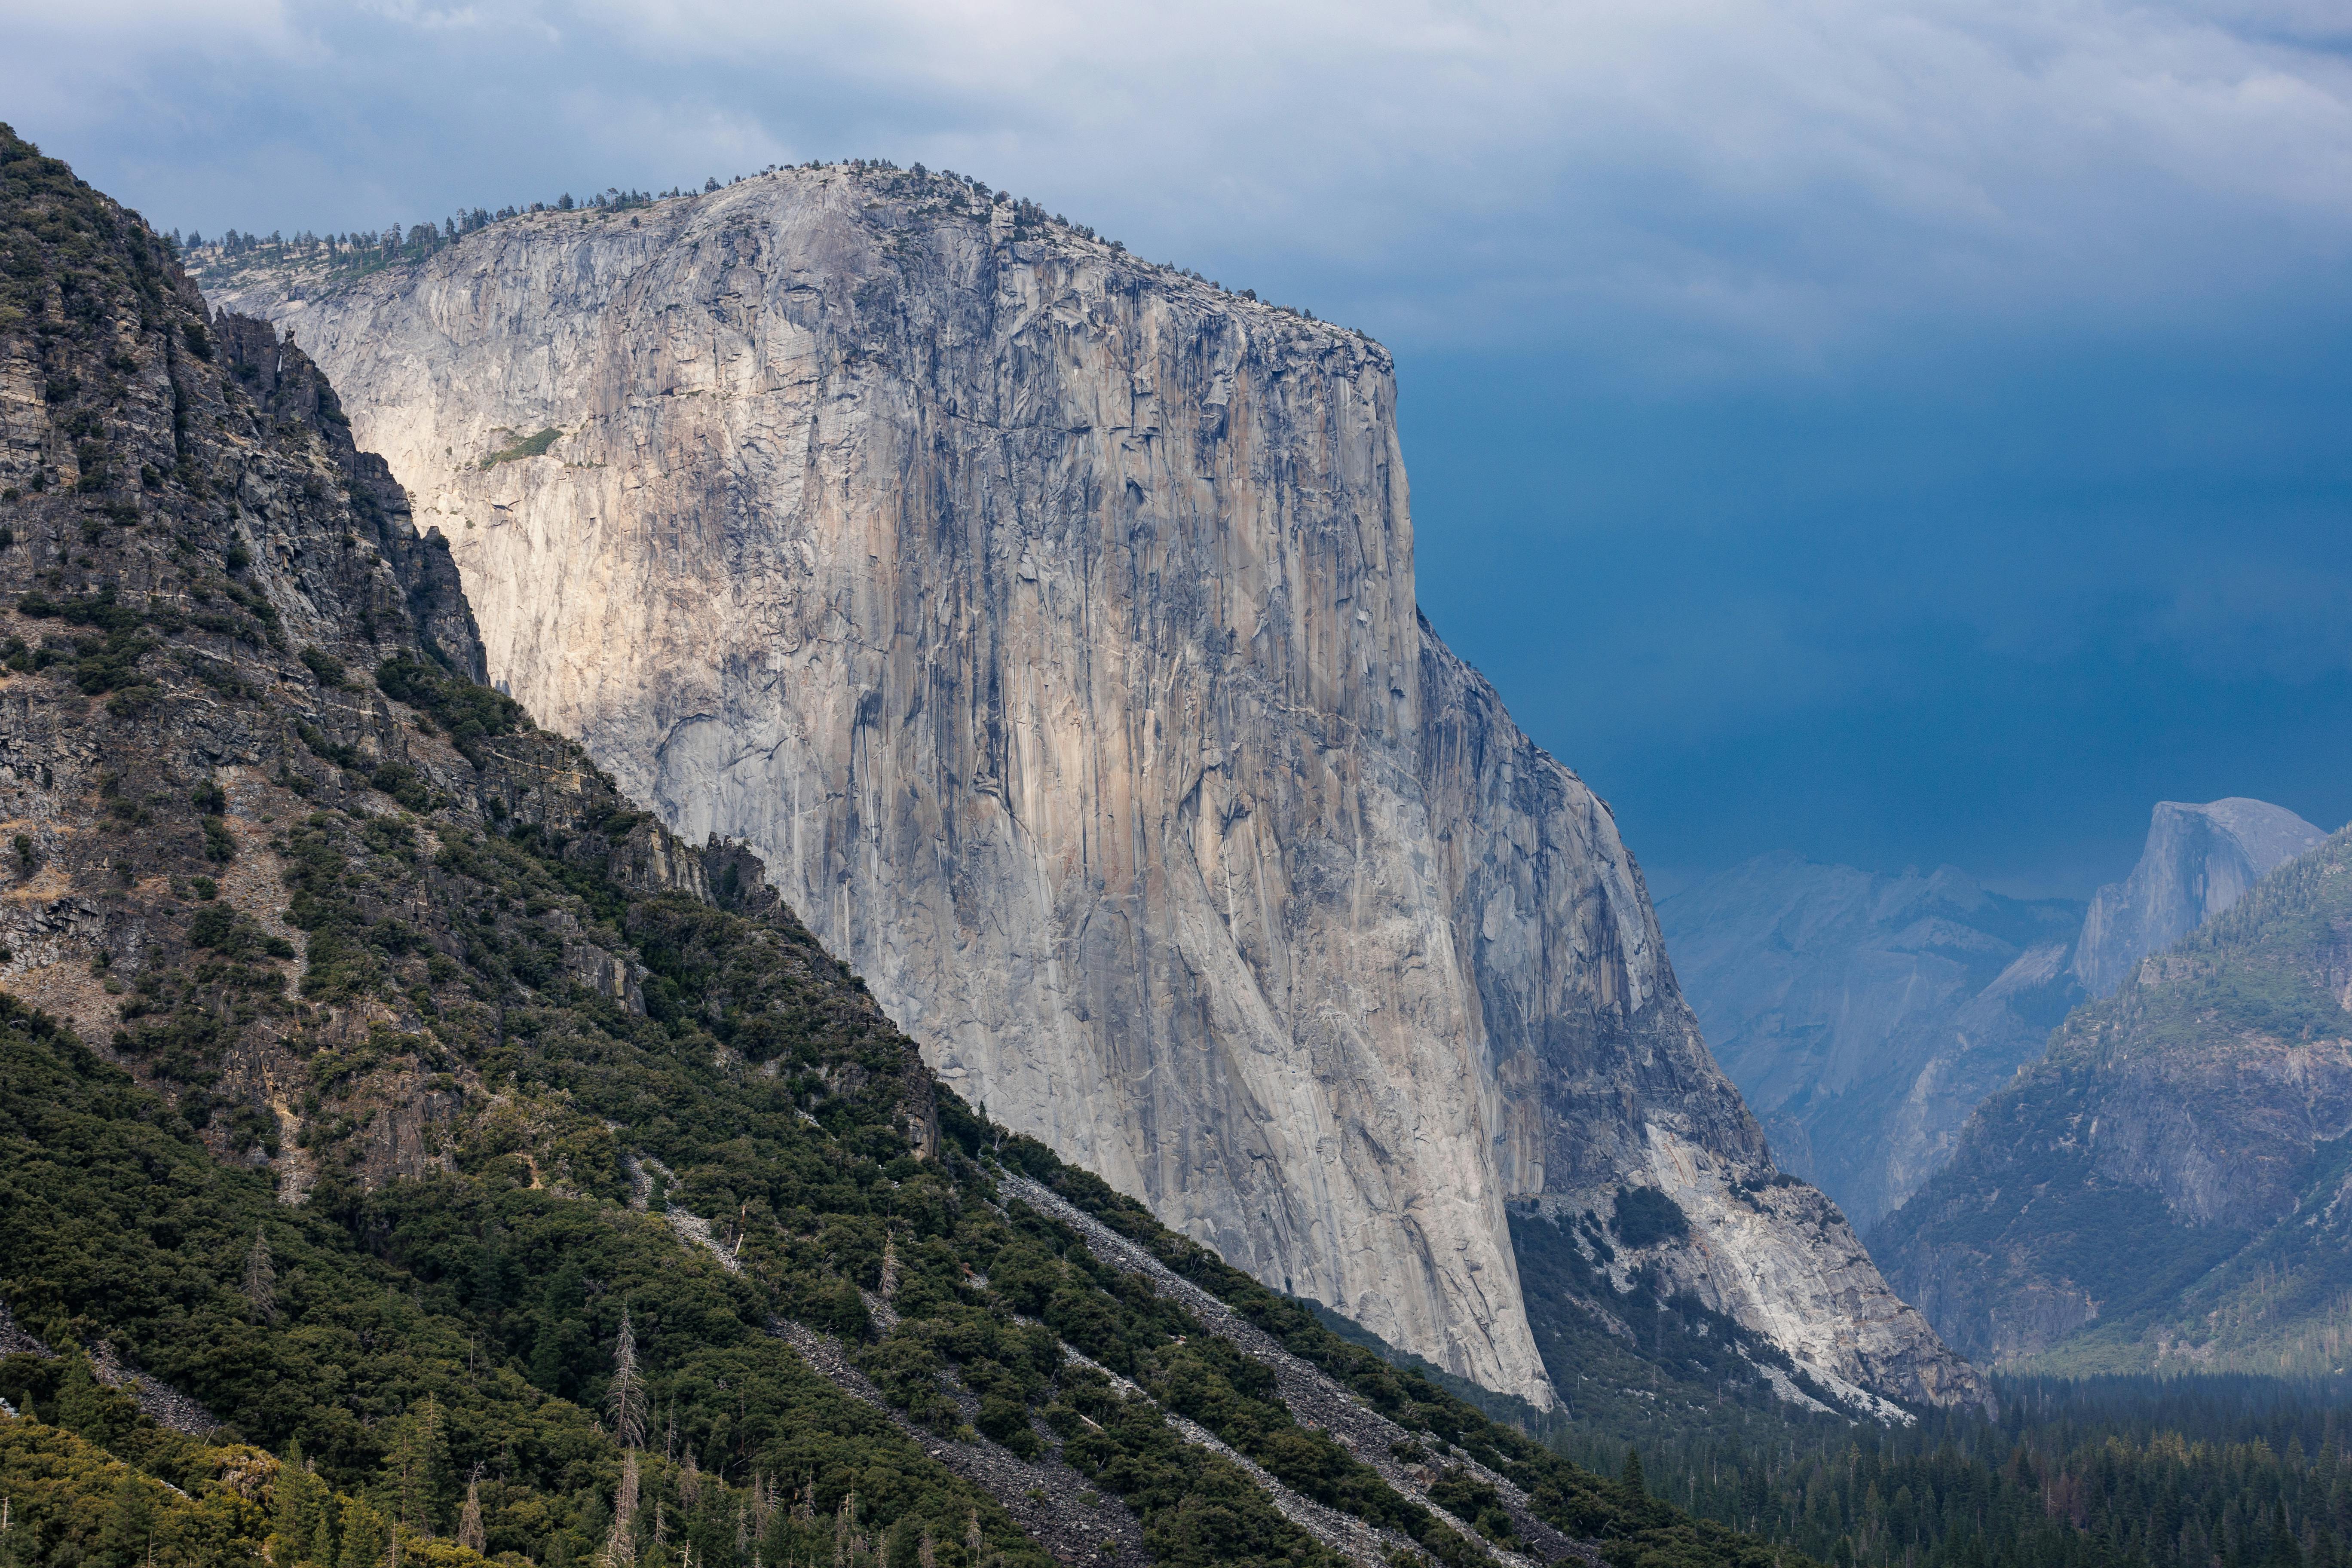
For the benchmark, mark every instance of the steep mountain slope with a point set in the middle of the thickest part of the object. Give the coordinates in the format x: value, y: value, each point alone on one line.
x: 1046, y: 620
x: 2168, y: 1184
x: 472, y: 1165
x: 2199, y: 859
x: 1864, y: 1015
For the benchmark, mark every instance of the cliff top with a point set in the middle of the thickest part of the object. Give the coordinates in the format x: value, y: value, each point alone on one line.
x: 2269, y: 834
x: 890, y: 198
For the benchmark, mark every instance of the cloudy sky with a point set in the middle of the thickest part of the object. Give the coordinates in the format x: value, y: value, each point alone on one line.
x: 1898, y: 432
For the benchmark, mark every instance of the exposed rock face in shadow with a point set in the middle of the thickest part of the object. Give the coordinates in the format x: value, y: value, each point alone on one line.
x: 1046, y: 621
x: 2199, y: 861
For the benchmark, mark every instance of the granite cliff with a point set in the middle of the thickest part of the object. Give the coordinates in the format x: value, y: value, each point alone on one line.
x: 1046, y: 620
x: 1864, y: 1015
x: 2198, y: 860
x: 2168, y: 1184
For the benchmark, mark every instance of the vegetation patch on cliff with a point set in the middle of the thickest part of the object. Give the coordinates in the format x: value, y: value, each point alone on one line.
x: 533, y: 446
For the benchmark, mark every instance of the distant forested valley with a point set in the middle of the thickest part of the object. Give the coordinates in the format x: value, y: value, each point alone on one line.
x: 2182, y: 1472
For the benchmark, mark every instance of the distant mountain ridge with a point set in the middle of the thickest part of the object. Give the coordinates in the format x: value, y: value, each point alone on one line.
x: 1864, y: 1015
x: 2169, y: 1184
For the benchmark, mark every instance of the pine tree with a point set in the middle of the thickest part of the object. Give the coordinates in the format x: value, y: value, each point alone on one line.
x: 367, y: 1536
x: 322, y: 1533
x: 1630, y: 1478
x: 128, y: 1531
x: 86, y: 1406
x: 298, y: 1507
x: 419, y: 1467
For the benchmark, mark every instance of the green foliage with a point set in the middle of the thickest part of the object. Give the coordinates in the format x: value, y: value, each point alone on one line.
x: 327, y: 668
x: 2128, y: 1472
x: 405, y: 785
x: 534, y: 446
x: 71, y: 1500
x: 324, y: 749
x: 1646, y: 1215
x: 103, y: 663
x: 63, y: 236
x: 1570, y: 1498
x: 407, y: 1318
x: 470, y: 713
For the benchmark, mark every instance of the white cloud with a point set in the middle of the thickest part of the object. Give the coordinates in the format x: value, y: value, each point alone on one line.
x: 1736, y: 175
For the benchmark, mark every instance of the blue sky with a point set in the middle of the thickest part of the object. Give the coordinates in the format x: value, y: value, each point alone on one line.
x: 1897, y: 432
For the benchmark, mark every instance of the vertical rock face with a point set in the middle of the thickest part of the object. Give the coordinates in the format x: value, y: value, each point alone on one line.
x: 1046, y: 621
x: 2199, y: 859
x: 1864, y: 1015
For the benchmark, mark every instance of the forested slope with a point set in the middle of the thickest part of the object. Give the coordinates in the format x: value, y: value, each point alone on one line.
x: 472, y: 1154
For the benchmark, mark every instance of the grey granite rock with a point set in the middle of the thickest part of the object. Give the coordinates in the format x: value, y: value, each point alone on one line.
x: 1045, y: 620
x: 2199, y: 859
